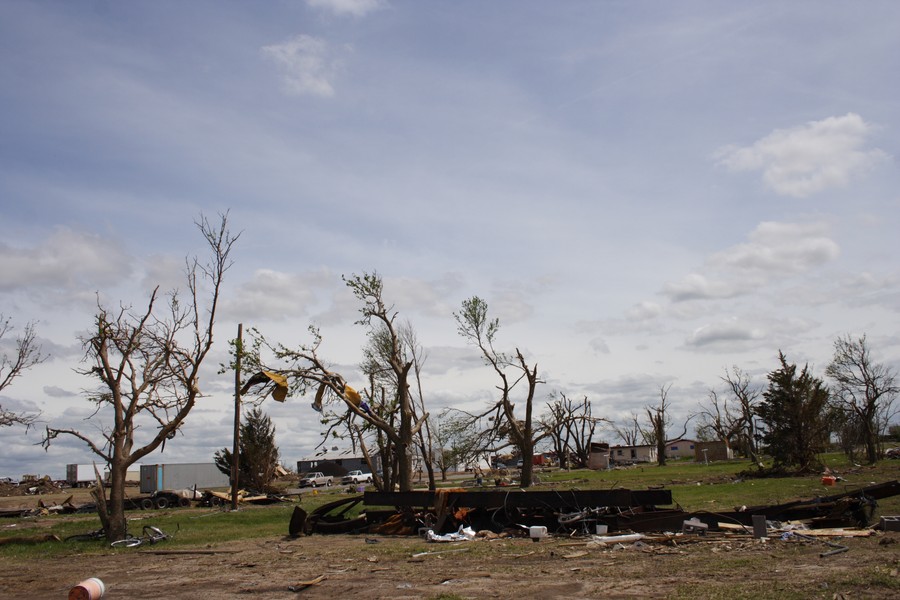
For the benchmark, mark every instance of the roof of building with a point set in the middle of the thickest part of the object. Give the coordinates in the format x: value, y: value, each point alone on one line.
x: 679, y: 440
x: 636, y: 446
x: 334, y: 455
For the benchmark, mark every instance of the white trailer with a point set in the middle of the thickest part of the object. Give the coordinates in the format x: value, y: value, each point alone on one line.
x: 156, y: 478
x: 84, y: 475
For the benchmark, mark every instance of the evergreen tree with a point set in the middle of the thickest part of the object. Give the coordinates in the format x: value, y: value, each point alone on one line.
x: 794, y: 412
x: 258, y: 454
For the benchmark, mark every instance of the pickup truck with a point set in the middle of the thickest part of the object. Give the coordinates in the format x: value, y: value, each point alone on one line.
x: 316, y: 479
x: 357, y: 477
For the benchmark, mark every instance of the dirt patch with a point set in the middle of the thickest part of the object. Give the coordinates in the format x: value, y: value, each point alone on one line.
x: 354, y: 566
x: 390, y: 567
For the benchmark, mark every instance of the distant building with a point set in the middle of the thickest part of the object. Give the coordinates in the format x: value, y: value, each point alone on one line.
x: 599, y: 456
x: 717, y: 450
x: 336, y: 462
x: 632, y: 454
x: 680, y: 448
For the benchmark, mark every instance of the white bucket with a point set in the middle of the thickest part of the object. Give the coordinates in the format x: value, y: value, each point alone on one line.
x: 537, y: 532
x: 89, y: 589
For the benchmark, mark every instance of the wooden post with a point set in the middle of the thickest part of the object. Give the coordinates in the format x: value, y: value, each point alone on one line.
x: 235, y: 449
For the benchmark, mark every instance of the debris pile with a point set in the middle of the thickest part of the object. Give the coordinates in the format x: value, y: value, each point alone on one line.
x: 43, y: 509
x: 575, y: 512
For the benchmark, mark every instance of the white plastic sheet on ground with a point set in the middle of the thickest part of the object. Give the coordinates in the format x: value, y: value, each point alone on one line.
x: 465, y: 534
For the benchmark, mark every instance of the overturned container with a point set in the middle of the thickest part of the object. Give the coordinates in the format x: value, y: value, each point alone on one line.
x: 89, y: 589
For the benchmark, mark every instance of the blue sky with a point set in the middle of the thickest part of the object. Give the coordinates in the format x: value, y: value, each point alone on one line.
x: 645, y: 193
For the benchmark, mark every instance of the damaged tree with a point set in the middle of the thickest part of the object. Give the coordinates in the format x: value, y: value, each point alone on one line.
x: 506, y: 429
x: 629, y: 430
x: 424, y: 436
x: 26, y: 355
x: 389, y: 407
x: 386, y: 344
x: 660, y: 419
x: 456, y: 442
x: 570, y: 426
x: 733, y: 425
x: 864, y: 391
x: 148, y: 365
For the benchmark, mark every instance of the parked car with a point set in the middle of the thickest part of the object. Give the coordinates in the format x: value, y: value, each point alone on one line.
x: 356, y: 477
x: 315, y: 479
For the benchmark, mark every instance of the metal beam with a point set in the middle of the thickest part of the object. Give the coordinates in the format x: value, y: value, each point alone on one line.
x: 559, y: 500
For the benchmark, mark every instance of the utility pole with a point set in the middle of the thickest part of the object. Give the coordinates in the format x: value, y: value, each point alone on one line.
x: 235, y: 450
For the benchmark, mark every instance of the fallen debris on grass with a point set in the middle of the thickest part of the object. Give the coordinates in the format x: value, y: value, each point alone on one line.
x: 302, y: 585
x: 513, y: 513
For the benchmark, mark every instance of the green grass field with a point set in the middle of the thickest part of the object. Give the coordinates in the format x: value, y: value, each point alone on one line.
x: 713, y: 487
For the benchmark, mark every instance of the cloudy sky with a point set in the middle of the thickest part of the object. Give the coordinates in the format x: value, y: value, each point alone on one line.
x: 645, y: 193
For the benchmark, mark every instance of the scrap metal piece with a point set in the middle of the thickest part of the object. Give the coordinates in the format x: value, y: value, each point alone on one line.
x: 331, y: 518
x: 559, y: 500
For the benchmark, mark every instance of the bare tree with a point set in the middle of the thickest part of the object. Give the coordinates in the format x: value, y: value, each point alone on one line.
x: 746, y: 394
x: 148, y: 366
x: 474, y: 325
x: 658, y: 417
x: 660, y: 420
x: 864, y: 390
x: 571, y: 427
x: 718, y: 420
x: 424, y: 438
x: 455, y: 442
x: 629, y: 430
x: 730, y: 417
x: 26, y: 354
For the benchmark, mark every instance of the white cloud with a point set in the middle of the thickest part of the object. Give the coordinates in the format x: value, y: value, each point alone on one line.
x: 773, y: 250
x: 427, y: 297
x: 58, y: 392
x: 804, y: 160
x: 277, y: 296
x: 698, y: 287
x: 165, y: 271
x: 445, y: 359
x: 781, y: 247
x: 599, y: 346
x: 510, y: 307
x: 354, y: 8
x: 725, y: 333
x: 306, y: 66
x: 644, y: 311
x: 67, y: 259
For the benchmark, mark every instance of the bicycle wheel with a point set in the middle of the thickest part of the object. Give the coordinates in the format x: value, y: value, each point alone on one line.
x: 129, y: 542
x: 85, y: 537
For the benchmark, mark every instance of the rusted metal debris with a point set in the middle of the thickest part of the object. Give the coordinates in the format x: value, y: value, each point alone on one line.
x: 853, y: 508
x: 569, y: 512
